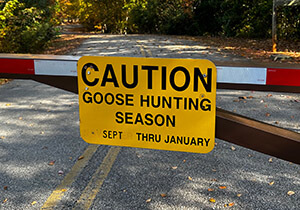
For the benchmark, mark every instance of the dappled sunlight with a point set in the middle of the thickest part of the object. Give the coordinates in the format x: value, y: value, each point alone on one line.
x: 12, y: 169
x: 279, y: 109
x: 189, y: 180
x: 181, y: 47
x: 46, y: 123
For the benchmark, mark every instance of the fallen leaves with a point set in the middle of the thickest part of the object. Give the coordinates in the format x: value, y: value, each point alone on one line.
x: 251, y: 48
x: 80, y: 157
x: 4, y: 201
x: 3, y: 81
x: 233, y: 148
x: 222, y: 187
x: 174, y: 167
x: 2, y: 137
x: 270, y: 160
x: 33, y: 203
x: 268, y: 114
x: 65, y: 44
x: 148, y: 200
x: 210, y: 189
x: 212, y: 200
x: 190, y: 178
x: 290, y: 193
x: 271, y: 183
x: 5, y: 187
x: 51, y: 163
x: 163, y: 195
x: 229, y: 204
x: 239, y: 195
x: 243, y: 99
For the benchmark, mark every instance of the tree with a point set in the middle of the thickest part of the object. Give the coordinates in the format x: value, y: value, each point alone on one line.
x: 24, y: 29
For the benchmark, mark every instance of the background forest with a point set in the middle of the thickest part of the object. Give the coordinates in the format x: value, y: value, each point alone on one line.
x: 27, y: 26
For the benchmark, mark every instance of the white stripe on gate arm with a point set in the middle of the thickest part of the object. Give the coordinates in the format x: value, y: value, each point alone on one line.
x: 55, y: 68
x: 225, y: 74
x: 241, y: 75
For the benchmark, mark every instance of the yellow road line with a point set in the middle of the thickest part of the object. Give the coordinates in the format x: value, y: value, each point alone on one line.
x: 58, y: 193
x: 89, y: 193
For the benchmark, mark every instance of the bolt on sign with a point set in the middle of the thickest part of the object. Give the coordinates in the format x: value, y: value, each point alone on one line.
x: 167, y: 104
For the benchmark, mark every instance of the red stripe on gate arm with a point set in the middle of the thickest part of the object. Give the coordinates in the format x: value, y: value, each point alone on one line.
x: 16, y: 66
x: 286, y: 77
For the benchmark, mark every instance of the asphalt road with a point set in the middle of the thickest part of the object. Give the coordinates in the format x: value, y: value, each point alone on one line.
x: 45, y: 164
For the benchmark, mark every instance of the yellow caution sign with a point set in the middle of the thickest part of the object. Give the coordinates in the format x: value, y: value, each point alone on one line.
x: 167, y: 104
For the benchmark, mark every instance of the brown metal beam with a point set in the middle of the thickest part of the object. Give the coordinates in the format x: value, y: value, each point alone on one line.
x: 258, y: 136
x: 69, y: 83
x: 230, y: 127
x: 62, y: 82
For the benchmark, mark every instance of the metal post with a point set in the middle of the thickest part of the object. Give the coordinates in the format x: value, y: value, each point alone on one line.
x: 274, y: 33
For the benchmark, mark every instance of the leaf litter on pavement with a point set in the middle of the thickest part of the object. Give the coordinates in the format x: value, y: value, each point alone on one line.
x: 255, y: 49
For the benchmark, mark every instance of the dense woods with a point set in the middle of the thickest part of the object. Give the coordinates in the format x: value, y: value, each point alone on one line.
x: 28, y: 25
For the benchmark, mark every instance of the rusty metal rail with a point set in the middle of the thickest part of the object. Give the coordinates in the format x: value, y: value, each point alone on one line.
x: 258, y: 136
x: 230, y: 127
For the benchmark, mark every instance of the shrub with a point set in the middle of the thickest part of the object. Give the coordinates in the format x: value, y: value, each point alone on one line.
x: 23, y: 29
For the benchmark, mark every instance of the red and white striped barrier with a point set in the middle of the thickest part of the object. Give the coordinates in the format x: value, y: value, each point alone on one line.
x: 39, y: 67
x: 225, y: 74
x: 258, y: 76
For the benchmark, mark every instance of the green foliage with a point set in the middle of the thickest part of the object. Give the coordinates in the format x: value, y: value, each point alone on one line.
x: 247, y: 18
x: 289, y: 22
x: 24, y: 29
x: 161, y: 16
x: 207, y: 15
x: 102, y: 14
x: 235, y: 18
x: 27, y: 25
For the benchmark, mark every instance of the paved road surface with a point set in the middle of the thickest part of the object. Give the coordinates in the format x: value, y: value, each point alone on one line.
x: 45, y: 163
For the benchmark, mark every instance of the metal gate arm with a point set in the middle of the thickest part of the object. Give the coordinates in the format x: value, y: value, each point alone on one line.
x: 258, y: 136
x: 230, y: 75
